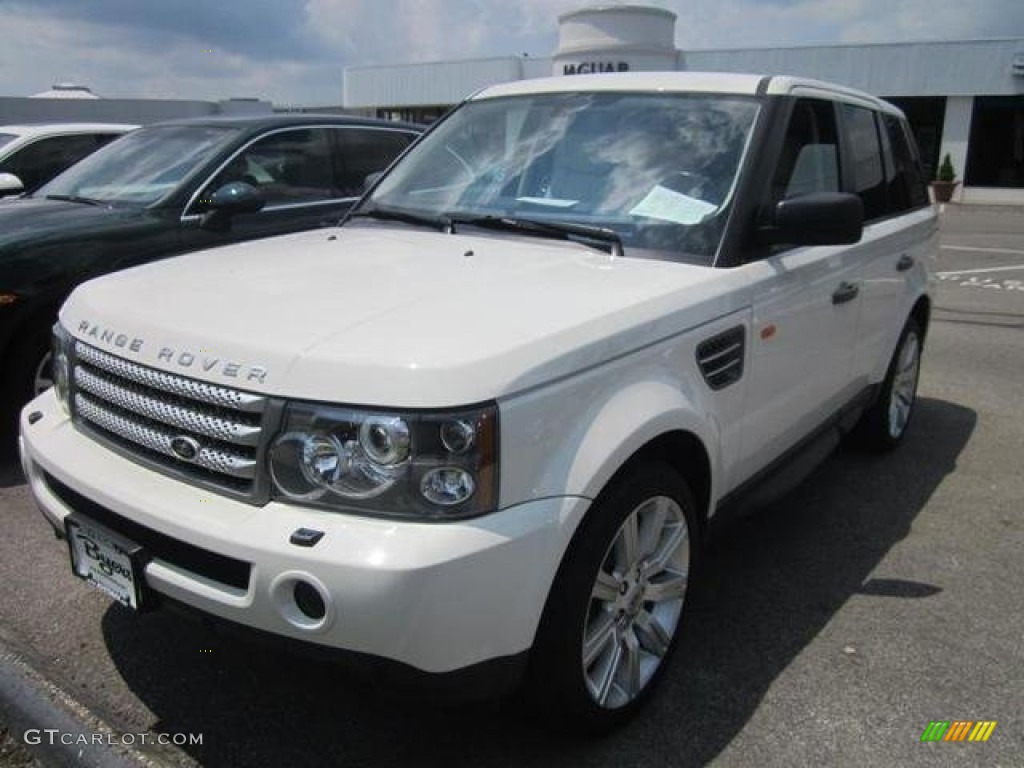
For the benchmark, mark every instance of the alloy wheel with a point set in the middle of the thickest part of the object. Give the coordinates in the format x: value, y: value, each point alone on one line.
x: 904, y: 385
x: 636, y: 602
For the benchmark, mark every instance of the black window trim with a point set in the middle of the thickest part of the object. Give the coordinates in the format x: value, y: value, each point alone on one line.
x: 849, y: 184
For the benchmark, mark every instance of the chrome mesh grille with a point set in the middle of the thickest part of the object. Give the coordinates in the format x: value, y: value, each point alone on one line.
x: 209, y: 434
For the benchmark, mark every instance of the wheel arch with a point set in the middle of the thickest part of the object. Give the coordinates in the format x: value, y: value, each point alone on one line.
x: 685, y: 452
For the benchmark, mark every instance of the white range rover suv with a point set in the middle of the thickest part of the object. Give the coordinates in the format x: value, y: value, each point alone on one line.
x: 475, y: 435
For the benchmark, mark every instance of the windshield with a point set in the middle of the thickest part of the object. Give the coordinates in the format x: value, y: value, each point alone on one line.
x: 140, y: 167
x: 658, y: 169
x: 7, y: 138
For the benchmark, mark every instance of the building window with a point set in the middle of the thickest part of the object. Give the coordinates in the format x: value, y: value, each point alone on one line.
x: 995, y: 155
x: 422, y: 115
x: 926, y: 115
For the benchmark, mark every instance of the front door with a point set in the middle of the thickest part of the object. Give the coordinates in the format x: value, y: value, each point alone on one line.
x: 805, y: 304
x: 294, y: 170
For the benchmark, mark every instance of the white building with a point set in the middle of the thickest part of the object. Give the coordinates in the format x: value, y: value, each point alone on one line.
x: 964, y: 98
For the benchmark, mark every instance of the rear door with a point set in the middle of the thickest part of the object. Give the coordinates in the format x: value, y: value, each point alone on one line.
x: 899, y: 234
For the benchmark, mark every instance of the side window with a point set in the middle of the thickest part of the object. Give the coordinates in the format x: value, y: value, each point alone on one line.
x: 41, y: 160
x: 362, y: 151
x: 866, y: 160
x: 906, y: 183
x: 809, y: 161
x: 286, y: 167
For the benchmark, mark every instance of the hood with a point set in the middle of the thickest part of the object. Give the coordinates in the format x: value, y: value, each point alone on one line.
x: 397, y: 316
x: 26, y: 219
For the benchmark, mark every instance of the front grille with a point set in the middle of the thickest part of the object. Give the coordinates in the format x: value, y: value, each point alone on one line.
x: 207, y: 434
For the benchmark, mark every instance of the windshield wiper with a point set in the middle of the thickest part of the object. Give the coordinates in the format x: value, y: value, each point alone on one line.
x: 76, y: 199
x: 408, y: 217
x: 560, y: 230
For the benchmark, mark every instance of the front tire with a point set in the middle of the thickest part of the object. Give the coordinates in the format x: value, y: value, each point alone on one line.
x: 614, y: 613
x: 30, y: 374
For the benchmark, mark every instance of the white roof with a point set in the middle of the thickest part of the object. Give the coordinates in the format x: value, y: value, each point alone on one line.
x: 687, y: 82
x: 699, y: 82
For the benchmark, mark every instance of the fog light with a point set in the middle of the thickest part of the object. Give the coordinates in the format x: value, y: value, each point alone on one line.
x: 447, y: 486
x: 309, y: 601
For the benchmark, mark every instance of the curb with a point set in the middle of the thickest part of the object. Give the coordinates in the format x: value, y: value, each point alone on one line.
x: 29, y: 701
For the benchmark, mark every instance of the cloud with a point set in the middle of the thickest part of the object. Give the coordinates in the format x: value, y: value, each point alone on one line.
x: 274, y: 29
x: 294, y: 51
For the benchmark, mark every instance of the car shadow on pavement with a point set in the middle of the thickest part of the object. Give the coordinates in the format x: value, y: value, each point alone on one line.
x: 766, y: 590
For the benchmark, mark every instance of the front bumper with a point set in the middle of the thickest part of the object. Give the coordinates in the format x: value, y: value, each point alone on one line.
x: 438, y: 597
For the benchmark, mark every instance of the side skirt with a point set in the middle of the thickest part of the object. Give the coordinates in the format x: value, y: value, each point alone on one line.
x: 791, y: 468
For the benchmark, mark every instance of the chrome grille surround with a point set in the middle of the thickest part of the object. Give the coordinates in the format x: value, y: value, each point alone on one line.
x: 144, y: 414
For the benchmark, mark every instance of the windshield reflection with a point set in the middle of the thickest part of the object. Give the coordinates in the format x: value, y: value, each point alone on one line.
x: 658, y: 169
x: 140, y: 167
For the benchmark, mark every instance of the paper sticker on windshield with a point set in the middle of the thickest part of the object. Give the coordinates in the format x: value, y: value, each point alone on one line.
x: 668, y: 205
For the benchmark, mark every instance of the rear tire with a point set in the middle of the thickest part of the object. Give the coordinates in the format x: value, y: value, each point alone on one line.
x: 614, y: 613
x: 884, y: 424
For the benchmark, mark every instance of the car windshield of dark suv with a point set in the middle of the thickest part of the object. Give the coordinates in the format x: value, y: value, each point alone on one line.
x: 140, y: 167
x: 653, y: 172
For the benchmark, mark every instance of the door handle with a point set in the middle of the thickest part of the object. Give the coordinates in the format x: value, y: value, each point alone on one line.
x: 846, y: 291
x: 905, y: 263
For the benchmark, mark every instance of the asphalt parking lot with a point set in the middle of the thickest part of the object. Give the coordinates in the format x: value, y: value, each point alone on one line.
x: 884, y: 593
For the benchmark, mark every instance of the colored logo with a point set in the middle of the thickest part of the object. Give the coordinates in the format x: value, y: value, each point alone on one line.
x: 958, y: 730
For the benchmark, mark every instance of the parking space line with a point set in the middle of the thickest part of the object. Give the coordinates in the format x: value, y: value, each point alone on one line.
x: 949, y: 273
x: 980, y: 249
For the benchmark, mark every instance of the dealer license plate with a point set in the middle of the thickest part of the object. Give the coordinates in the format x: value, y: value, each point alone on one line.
x: 106, y: 560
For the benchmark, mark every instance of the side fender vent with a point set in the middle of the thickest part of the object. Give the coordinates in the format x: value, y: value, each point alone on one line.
x: 721, y: 358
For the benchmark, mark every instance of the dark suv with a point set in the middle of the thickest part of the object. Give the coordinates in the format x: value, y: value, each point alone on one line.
x: 163, y: 190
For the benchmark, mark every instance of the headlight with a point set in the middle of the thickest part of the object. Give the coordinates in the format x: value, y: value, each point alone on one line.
x: 420, y: 465
x: 62, y: 367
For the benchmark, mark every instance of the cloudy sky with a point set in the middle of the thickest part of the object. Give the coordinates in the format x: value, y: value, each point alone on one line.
x: 293, y: 51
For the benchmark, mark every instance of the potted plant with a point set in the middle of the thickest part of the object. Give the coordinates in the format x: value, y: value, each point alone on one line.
x: 945, y: 181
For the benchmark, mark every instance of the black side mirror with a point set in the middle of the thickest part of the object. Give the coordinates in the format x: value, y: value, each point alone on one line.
x: 233, y: 198
x: 237, y: 197
x: 820, y: 218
